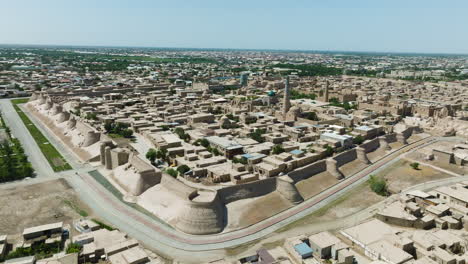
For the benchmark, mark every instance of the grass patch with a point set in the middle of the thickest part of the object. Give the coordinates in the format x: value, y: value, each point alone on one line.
x: 55, y: 159
x: 106, y: 184
x: 322, y: 211
x: 235, y: 251
x: 102, y: 225
x: 113, y: 135
x: 76, y: 208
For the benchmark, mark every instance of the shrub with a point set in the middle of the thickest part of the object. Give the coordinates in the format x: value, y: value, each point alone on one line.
x: 91, y: 116
x: 73, y: 248
x: 215, y: 152
x: 182, y: 169
x: 172, y: 172
x: 203, y: 142
x: 161, y: 154
x: 358, y: 140
x: 312, y: 116
x: 127, y: 133
x: 277, y: 149
x: 103, y: 225
x: 151, y: 155
x: 329, y: 151
x: 414, y: 165
x: 378, y: 185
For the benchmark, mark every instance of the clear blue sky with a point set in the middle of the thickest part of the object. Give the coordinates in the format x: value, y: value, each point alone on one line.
x: 346, y: 25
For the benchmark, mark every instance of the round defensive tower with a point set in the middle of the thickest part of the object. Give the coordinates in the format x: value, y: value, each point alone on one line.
x: 285, y: 186
x: 71, y: 123
x: 202, y: 214
x: 49, y: 104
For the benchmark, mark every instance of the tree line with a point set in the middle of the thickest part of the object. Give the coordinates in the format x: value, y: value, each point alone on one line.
x: 14, y: 163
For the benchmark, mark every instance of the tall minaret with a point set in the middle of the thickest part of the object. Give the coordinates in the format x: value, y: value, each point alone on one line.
x: 326, y: 91
x: 286, y: 102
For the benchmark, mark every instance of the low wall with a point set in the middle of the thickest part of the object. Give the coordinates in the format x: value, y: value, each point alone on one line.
x: 249, y: 190
x: 407, y: 132
x: 370, y: 145
x: 345, y: 157
x: 308, y: 171
x: 177, y: 186
x: 391, y: 137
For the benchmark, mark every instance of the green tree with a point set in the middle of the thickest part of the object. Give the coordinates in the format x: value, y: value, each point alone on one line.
x: 257, y: 135
x: 358, y: 140
x: 414, y: 165
x: 312, y: 116
x: 171, y: 172
x: 151, y: 155
x: 91, y: 116
x: 161, y: 154
x: 182, y: 169
x: 277, y: 149
x: 378, y: 185
x: 329, y: 151
x: 73, y: 248
x: 215, y: 152
x: 108, y: 126
x: 203, y: 142
x: 127, y: 133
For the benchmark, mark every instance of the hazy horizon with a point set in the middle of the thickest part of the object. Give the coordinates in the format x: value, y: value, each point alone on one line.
x: 421, y: 27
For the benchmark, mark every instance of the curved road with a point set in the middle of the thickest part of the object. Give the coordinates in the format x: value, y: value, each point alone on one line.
x: 159, y: 236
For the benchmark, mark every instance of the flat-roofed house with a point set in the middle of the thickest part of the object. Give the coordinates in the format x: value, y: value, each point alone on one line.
x: 321, y: 244
x: 228, y: 147
x: 43, y: 230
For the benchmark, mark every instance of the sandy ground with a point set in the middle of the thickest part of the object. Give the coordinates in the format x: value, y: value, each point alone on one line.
x: 247, y: 212
x: 422, y: 153
x: 38, y: 204
x: 315, y: 184
x: 401, y: 176
x: 354, y: 201
x: 377, y: 154
x: 161, y: 202
x: 352, y: 167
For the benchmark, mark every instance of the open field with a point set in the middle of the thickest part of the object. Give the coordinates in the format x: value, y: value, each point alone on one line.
x: 55, y: 159
x: 400, y: 175
x: 351, y: 202
x: 251, y: 211
x: 421, y: 155
x: 316, y: 184
x: 38, y: 204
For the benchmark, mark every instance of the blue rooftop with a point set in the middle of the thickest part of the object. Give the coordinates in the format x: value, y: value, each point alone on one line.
x: 296, y: 152
x: 250, y: 156
x: 304, y: 250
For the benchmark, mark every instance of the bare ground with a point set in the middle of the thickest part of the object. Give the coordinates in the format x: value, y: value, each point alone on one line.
x: 251, y: 211
x: 38, y: 204
x: 401, y: 176
x: 421, y: 155
x: 315, y: 184
x: 377, y: 154
x: 352, y: 167
x: 351, y: 202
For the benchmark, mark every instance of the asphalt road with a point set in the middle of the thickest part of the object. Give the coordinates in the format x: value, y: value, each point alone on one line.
x: 156, y: 235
